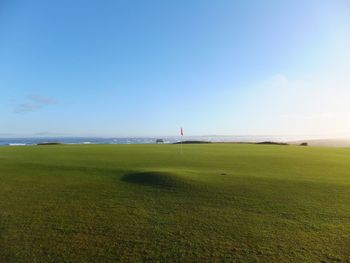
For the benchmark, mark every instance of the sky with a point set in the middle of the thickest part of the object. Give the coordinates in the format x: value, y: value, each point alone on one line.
x: 147, y: 68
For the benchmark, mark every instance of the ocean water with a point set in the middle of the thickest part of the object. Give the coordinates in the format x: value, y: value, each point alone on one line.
x: 142, y: 140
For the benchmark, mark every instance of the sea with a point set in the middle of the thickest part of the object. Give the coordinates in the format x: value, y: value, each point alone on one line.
x: 143, y: 140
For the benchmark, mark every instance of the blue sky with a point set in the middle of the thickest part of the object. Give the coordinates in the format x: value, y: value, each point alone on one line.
x: 146, y: 68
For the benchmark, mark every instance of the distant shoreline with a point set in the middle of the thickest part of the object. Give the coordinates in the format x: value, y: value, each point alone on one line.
x: 314, y: 143
x: 324, y: 142
x: 335, y: 142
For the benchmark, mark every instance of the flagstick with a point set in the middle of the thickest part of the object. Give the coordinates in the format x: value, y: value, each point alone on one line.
x: 181, y: 143
x: 182, y: 136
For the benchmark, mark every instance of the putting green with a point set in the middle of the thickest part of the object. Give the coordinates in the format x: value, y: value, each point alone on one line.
x: 213, y: 202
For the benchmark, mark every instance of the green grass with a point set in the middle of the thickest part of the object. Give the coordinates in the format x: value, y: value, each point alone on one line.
x: 149, y: 203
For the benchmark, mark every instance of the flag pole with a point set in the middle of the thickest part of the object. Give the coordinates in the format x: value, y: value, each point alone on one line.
x: 182, y: 134
x: 181, y: 143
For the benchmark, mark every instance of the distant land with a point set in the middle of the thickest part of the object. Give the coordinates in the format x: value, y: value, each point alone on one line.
x: 325, y: 142
x: 331, y: 142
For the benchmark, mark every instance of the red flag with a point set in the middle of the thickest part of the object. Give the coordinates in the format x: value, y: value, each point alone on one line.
x: 182, y: 132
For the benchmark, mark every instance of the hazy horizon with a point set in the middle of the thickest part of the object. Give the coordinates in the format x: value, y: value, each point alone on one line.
x: 289, y: 137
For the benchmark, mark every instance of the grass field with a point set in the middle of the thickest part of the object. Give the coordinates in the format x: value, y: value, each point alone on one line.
x: 149, y: 203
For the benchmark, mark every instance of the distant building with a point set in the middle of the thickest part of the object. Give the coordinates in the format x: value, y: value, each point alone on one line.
x: 159, y: 141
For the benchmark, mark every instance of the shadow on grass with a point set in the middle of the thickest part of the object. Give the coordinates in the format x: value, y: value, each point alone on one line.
x: 156, y: 179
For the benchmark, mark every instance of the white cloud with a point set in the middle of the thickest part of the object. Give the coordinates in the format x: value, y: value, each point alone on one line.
x: 34, y: 103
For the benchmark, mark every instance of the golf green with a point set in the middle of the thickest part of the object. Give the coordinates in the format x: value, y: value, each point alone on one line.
x: 150, y: 203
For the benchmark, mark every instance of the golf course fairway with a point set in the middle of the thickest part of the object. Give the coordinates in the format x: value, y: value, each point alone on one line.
x: 154, y: 203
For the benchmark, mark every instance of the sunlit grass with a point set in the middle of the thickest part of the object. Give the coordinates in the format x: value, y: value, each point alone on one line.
x: 218, y: 202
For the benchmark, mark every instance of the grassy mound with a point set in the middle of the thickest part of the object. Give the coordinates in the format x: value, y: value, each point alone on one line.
x: 154, y: 178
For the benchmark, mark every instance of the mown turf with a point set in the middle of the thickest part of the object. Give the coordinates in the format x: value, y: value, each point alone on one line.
x: 149, y: 203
